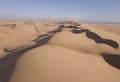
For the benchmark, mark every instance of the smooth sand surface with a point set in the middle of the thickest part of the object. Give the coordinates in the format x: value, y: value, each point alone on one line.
x: 66, y: 57
x: 69, y: 57
x: 58, y: 64
x: 112, y: 28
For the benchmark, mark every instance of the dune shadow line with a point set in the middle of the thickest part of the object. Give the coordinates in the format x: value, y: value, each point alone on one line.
x: 112, y: 59
x: 97, y: 38
x: 8, y: 63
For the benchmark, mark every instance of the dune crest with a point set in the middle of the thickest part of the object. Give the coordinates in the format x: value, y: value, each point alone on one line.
x: 57, y: 52
x: 69, y: 57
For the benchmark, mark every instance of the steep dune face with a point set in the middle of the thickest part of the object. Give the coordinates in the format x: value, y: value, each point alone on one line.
x: 69, y: 57
x: 57, y: 64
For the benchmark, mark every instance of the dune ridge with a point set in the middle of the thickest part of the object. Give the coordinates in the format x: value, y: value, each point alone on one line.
x: 71, y: 52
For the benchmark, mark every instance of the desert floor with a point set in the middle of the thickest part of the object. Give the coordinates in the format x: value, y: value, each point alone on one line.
x: 42, y: 51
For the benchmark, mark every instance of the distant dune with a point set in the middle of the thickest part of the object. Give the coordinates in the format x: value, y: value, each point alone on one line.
x: 75, y: 52
x: 22, y: 33
x: 112, y: 28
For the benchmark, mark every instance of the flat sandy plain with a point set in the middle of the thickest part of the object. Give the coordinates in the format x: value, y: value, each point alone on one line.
x: 92, y: 54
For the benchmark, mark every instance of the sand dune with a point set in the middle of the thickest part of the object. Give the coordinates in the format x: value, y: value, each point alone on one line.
x: 58, y: 64
x: 81, y: 43
x: 70, y: 57
x: 22, y: 34
x: 86, y: 53
x: 112, y: 28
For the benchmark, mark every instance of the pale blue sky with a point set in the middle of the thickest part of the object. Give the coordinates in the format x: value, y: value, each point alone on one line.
x: 83, y: 10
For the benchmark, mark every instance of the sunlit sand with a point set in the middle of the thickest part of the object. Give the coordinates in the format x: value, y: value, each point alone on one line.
x: 69, y: 55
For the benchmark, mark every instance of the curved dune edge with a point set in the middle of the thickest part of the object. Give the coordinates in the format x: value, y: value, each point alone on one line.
x: 15, y: 34
x: 64, y: 46
x: 81, y: 43
x: 68, y: 57
x: 57, y: 64
x: 102, y: 33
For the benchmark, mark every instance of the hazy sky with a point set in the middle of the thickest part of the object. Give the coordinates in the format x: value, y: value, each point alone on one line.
x: 84, y: 10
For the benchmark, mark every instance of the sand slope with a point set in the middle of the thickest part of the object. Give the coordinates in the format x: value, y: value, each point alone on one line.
x: 57, y: 64
x: 22, y: 34
x: 112, y: 28
x: 69, y: 57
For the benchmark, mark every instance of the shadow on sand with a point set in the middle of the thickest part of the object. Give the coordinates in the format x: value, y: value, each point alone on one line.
x: 7, y: 63
x: 97, y: 38
x: 112, y: 59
